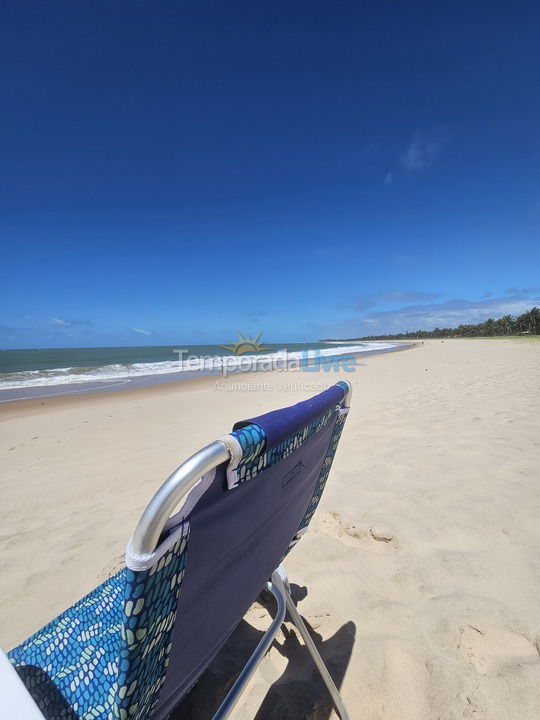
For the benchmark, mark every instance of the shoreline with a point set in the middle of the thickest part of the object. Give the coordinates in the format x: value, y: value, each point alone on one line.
x: 41, y: 392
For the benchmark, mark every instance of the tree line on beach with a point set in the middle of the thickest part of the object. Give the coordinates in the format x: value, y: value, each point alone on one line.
x: 526, y: 324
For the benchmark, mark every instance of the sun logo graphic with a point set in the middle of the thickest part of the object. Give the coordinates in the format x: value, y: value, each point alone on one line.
x: 245, y: 345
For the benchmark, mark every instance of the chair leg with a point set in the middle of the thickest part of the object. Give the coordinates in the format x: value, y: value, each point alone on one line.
x: 310, y: 645
x: 277, y: 588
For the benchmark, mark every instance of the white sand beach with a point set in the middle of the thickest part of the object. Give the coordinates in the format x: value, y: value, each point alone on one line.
x: 420, y: 575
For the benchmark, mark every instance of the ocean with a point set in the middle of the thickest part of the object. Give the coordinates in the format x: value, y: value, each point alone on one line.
x: 47, y: 372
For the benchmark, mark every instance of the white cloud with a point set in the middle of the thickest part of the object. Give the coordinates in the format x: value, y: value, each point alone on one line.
x: 142, y: 331
x: 421, y: 153
x: 72, y: 323
x: 450, y: 313
x: 420, y: 315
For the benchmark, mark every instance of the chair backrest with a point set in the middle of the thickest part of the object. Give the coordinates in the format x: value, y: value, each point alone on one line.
x: 236, y: 525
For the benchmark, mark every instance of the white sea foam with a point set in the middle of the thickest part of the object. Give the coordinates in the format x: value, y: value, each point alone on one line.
x: 204, y: 365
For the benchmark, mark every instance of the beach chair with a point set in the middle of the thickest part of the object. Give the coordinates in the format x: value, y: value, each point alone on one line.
x: 136, y: 645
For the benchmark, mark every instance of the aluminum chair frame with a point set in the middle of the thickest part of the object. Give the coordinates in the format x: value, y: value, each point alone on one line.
x: 150, y: 528
x: 145, y: 540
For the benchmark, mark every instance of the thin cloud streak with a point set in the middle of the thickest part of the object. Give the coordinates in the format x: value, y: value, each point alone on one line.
x: 63, y: 323
x: 421, y: 152
x: 449, y: 313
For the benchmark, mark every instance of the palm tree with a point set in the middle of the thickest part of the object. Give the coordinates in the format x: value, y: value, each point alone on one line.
x: 529, y: 322
x: 507, y: 323
x: 534, y: 320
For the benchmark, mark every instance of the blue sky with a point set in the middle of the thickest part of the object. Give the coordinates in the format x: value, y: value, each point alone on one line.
x: 173, y: 171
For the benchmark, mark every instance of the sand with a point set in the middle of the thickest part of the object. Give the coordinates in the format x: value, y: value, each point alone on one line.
x: 420, y: 576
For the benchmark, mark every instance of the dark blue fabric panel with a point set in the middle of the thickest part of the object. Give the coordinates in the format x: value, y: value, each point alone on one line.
x: 237, y: 539
x: 281, y: 424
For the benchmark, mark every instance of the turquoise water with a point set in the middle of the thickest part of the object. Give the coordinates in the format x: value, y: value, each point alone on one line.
x: 68, y: 366
x: 16, y: 361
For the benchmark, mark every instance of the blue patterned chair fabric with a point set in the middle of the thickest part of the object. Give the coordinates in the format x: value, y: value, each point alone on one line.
x: 107, y: 656
x: 85, y: 663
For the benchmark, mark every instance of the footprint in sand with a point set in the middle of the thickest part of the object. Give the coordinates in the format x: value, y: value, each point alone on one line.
x: 354, y: 531
x: 352, y: 534
x: 492, y: 648
x: 331, y: 524
x: 257, y: 616
x: 381, y: 534
x: 317, y: 619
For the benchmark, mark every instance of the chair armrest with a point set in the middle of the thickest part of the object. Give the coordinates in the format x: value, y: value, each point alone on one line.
x: 15, y: 700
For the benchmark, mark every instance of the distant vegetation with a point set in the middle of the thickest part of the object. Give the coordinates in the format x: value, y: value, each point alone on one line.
x: 526, y: 324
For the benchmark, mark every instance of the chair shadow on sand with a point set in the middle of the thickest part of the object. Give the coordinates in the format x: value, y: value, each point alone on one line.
x: 299, y: 694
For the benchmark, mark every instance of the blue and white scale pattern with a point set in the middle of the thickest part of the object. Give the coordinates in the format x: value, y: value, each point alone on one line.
x: 323, y: 477
x: 252, y: 441
x: 106, y: 657
x: 325, y: 470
